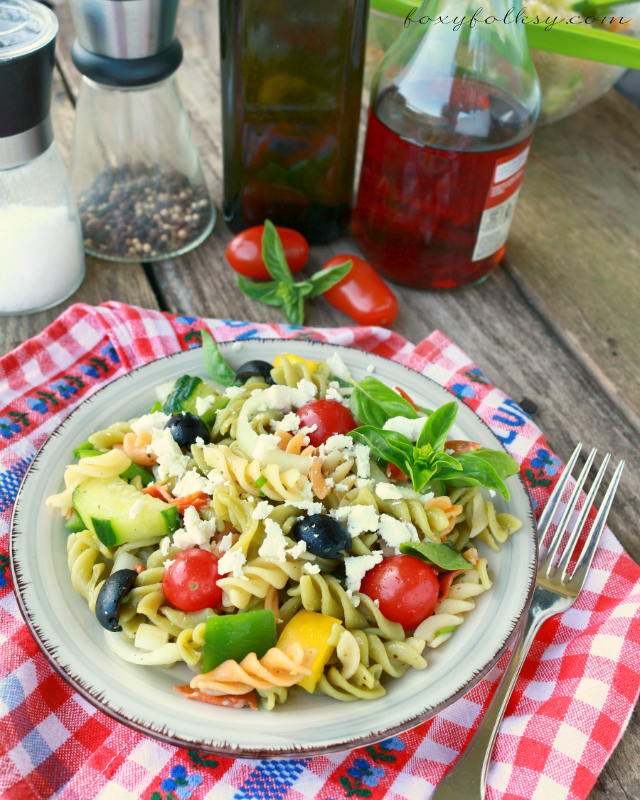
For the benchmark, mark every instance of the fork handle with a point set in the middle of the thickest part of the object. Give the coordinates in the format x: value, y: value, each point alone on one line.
x: 468, y: 777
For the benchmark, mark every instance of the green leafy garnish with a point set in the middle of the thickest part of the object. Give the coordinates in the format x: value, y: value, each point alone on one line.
x: 442, y: 555
x: 374, y: 403
x: 442, y: 631
x: 282, y: 290
x: 215, y: 364
x: 260, y: 482
x: 82, y: 448
x: 426, y: 461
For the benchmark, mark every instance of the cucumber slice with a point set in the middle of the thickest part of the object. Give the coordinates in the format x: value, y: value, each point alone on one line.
x: 185, y: 393
x: 104, y: 504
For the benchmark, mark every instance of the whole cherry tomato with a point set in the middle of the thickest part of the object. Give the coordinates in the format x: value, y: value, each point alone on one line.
x: 330, y: 416
x: 190, y: 583
x: 406, y: 588
x: 244, y: 252
x: 362, y: 294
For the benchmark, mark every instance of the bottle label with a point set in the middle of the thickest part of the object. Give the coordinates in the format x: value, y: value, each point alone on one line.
x: 501, y: 202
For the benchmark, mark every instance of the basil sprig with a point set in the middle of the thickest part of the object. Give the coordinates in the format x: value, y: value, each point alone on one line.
x: 442, y: 555
x: 374, y: 403
x: 282, y: 290
x: 215, y: 364
x: 426, y: 461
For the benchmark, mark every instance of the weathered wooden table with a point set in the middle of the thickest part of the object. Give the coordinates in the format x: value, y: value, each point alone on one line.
x: 558, y: 322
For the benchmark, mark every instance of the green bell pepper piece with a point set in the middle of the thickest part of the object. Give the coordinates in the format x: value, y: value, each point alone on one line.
x: 236, y: 635
x: 82, y: 448
x: 133, y: 470
x: 75, y: 523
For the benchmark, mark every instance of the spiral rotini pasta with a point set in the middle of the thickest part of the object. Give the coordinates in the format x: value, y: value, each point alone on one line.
x: 291, y: 523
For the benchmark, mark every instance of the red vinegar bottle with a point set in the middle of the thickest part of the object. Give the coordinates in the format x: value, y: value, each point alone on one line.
x: 453, y: 108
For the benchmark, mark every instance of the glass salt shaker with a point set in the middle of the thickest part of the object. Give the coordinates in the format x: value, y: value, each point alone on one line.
x: 135, y: 169
x: 41, y: 252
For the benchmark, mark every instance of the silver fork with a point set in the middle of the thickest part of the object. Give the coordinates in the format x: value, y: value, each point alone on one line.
x: 555, y: 592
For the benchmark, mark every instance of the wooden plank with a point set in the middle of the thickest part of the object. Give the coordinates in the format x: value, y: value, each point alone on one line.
x: 575, y: 244
x: 104, y: 281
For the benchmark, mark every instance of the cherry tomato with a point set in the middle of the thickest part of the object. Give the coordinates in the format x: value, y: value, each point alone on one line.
x: 406, y: 588
x: 362, y: 294
x: 244, y: 252
x: 190, y: 583
x: 330, y: 416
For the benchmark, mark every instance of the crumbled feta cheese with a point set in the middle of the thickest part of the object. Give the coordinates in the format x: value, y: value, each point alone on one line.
x: 411, y: 428
x: 308, y: 503
x: 333, y: 394
x: 289, y: 423
x: 136, y: 508
x: 395, y: 532
x: 233, y: 391
x: 330, y: 482
x: 216, y: 478
x: 308, y: 389
x: 376, y: 603
x: 200, y: 441
x: 355, y: 568
x: 371, y: 369
x: 196, y: 531
x: 149, y: 422
x: 360, y: 518
x: 262, y: 510
x: 226, y: 543
x: 449, y: 451
x: 338, y: 367
x: 171, y: 462
x: 355, y: 601
x: 166, y: 564
x: 362, y: 453
x: 308, y: 429
x: 274, y: 544
x: 387, y: 491
x: 233, y: 561
x: 266, y: 441
x: 297, y: 550
x: 338, y: 442
x: 164, y: 545
x: 362, y: 483
x: 236, y: 346
x: 424, y: 498
x: 190, y: 483
x: 203, y: 404
x: 312, y: 569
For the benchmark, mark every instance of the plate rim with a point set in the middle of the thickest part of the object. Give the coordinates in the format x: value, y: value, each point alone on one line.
x: 20, y: 582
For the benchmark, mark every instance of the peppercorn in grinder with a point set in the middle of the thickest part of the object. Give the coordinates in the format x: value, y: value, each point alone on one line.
x: 135, y: 169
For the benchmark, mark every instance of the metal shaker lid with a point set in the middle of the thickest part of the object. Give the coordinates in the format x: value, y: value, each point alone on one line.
x: 125, y: 29
x: 27, y: 43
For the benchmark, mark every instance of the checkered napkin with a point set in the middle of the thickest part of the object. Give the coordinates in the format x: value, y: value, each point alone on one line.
x: 572, y: 702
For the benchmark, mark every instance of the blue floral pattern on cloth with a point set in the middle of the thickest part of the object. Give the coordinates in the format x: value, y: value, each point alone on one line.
x: 180, y: 786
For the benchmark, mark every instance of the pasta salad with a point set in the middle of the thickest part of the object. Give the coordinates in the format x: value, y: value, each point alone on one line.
x: 283, y: 528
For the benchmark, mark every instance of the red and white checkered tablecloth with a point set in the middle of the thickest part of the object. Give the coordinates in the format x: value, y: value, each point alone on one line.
x: 572, y: 702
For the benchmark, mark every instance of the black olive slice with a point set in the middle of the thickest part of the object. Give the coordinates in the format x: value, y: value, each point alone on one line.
x: 117, y: 586
x: 324, y: 535
x: 255, y: 369
x: 186, y: 429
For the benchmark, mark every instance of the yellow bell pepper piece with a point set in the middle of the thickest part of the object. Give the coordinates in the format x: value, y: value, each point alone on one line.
x: 310, y: 630
x: 277, y: 361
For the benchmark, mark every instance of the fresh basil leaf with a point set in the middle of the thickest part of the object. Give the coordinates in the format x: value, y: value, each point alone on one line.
x: 215, y: 364
x: 293, y: 309
x: 340, y: 381
x: 476, y: 472
x: 420, y: 476
x: 425, y: 411
x: 273, y: 254
x: 325, y: 279
x: 503, y: 464
x: 389, y: 445
x: 373, y: 403
x: 442, y: 555
x: 449, y: 461
x: 265, y: 292
x: 438, y: 426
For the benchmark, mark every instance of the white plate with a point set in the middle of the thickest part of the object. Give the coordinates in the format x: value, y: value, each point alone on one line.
x: 142, y: 697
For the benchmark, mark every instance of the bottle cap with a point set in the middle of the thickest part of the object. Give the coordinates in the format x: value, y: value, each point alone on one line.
x: 27, y: 43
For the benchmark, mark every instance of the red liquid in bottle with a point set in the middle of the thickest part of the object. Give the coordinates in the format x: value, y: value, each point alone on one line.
x: 420, y: 207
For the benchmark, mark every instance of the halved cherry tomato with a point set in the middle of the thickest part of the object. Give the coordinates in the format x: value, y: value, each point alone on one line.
x: 461, y: 446
x: 394, y: 473
x: 244, y: 251
x: 362, y: 294
x: 190, y: 583
x: 406, y: 588
x: 406, y: 397
x: 330, y: 416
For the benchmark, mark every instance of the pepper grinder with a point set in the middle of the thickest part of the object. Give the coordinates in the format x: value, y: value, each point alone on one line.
x: 135, y: 169
x: 41, y: 252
